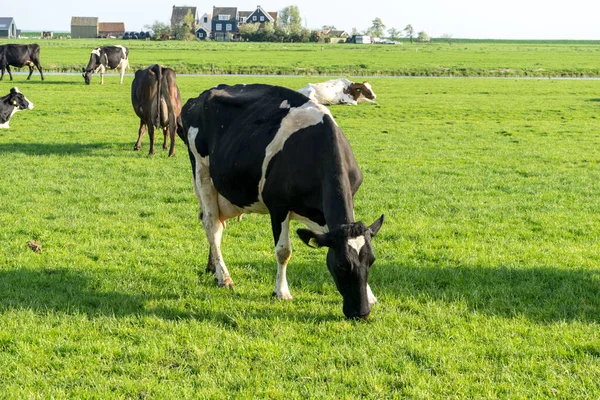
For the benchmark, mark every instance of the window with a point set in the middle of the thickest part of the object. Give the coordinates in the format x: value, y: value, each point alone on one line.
x: 218, y: 27
x: 254, y: 18
x: 262, y: 18
x: 229, y: 27
x: 243, y: 20
x: 200, y: 34
x: 223, y: 17
x: 205, y: 20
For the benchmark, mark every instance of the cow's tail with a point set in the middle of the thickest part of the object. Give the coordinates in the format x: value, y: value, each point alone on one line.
x: 158, y: 71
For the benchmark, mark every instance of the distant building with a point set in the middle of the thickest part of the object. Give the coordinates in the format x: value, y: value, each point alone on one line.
x: 111, y: 29
x: 8, y: 28
x: 84, y: 27
x: 261, y: 16
x: 224, y: 23
x: 178, y: 18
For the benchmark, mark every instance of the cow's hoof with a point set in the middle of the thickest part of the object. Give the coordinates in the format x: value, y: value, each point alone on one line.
x: 227, y: 283
x: 282, y: 296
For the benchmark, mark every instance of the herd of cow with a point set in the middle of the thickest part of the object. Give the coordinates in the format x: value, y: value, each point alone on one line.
x: 253, y: 149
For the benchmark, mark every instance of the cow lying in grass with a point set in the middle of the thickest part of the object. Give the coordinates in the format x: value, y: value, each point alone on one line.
x: 339, y: 91
x: 10, y: 104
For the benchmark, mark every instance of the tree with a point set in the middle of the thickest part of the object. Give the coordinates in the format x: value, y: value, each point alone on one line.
x: 409, y: 32
x: 186, y: 31
x: 355, y: 32
x: 423, y: 37
x: 378, y: 28
x: 447, y: 37
x: 328, y: 28
x: 290, y: 17
x: 394, y: 34
x: 159, y: 29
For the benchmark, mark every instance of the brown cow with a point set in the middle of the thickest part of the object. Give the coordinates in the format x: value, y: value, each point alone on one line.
x: 148, y: 86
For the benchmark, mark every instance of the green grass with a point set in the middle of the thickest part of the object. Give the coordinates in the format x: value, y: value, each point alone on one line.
x: 487, y: 274
x: 482, y: 58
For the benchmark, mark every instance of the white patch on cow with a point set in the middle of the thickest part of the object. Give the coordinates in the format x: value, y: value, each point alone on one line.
x: 371, y: 298
x: 283, y: 252
x: 96, y: 51
x: 357, y: 243
x: 368, y: 86
x: 298, y: 118
x: 284, y: 104
x: 4, y: 125
x: 309, y: 223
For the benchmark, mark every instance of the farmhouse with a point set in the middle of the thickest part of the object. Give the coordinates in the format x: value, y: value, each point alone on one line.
x: 178, y: 16
x: 226, y: 21
x: 8, y: 28
x: 84, y: 27
x: 204, y: 27
x: 111, y: 29
x: 336, y: 36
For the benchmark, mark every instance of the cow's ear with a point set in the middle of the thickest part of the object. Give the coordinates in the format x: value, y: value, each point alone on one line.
x: 313, y: 239
x: 375, y: 226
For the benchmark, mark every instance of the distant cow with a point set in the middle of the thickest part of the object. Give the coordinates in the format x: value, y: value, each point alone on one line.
x: 19, y: 55
x: 268, y: 149
x: 10, y: 104
x: 339, y: 91
x: 111, y: 57
x: 148, y: 86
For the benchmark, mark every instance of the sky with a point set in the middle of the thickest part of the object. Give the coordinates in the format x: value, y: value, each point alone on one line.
x: 476, y: 19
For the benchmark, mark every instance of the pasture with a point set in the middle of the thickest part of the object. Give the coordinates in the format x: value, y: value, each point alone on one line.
x: 487, y: 271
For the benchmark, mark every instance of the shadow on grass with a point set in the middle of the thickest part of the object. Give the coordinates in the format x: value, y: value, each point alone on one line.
x: 41, y: 149
x: 596, y: 100
x: 75, y: 292
x: 541, y: 294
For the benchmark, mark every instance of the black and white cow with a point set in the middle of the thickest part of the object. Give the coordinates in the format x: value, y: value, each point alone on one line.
x: 156, y: 101
x: 339, y: 91
x: 270, y: 150
x: 111, y: 57
x: 10, y: 104
x: 19, y: 55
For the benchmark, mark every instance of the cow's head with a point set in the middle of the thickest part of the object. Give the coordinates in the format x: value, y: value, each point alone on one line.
x: 17, y: 100
x: 349, y: 260
x: 87, y: 76
x: 361, y: 89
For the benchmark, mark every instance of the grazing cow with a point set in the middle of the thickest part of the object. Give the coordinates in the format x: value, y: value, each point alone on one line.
x: 268, y: 149
x: 339, y: 91
x: 156, y: 100
x: 19, y: 55
x: 10, y: 104
x: 111, y: 57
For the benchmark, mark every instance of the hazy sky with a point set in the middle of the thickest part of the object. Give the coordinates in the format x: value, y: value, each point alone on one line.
x: 508, y: 19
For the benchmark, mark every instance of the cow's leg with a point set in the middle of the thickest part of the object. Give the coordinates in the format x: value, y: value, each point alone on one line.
x: 165, y: 135
x: 209, y: 213
x: 141, y: 133
x: 30, y: 65
x: 9, y: 73
x: 39, y: 68
x: 2, y: 76
x: 283, y: 252
x: 102, y: 70
x: 123, y: 66
x: 172, y: 131
x: 151, y: 134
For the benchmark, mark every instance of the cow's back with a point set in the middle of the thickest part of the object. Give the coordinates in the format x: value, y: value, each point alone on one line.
x: 240, y: 128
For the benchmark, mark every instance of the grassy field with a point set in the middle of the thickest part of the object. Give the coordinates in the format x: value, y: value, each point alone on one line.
x: 488, y: 269
x: 537, y: 59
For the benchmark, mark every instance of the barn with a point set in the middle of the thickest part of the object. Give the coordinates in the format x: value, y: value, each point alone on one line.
x: 8, y: 28
x: 111, y: 29
x: 84, y: 27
